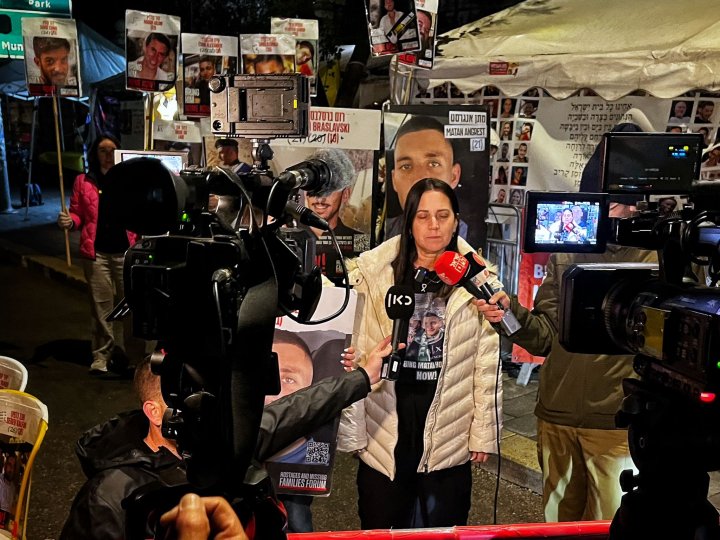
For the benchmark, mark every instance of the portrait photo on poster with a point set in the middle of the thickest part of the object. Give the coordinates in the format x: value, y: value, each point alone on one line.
x: 416, y: 147
x: 52, y: 64
x: 263, y: 54
x: 392, y: 26
x: 151, y: 50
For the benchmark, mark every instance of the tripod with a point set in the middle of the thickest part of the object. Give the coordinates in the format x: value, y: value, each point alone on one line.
x: 673, y: 443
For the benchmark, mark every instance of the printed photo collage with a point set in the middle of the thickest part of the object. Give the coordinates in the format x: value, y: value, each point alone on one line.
x: 513, y: 119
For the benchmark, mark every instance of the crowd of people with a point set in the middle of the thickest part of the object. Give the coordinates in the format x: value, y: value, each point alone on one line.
x: 417, y: 437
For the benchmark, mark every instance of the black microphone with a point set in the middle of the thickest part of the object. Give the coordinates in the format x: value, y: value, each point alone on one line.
x: 311, y: 175
x: 399, y: 306
x: 470, y: 272
x: 304, y: 215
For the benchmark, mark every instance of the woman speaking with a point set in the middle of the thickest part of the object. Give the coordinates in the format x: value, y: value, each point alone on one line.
x: 416, y: 437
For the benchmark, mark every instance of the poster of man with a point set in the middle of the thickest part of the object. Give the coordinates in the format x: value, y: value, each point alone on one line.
x: 446, y: 142
x: 305, y: 357
x: 264, y: 54
x: 203, y: 57
x: 52, y: 59
x: 346, y: 139
x: 392, y: 26
x: 306, y: 33
x: 427, y: 29
x: 151, y: 41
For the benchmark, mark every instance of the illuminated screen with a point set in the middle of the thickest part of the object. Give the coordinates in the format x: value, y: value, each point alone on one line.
x: 568, y: 222
x: 174, y: 161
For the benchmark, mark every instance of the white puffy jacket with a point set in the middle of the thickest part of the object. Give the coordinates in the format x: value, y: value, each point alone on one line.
x: 462, y: 416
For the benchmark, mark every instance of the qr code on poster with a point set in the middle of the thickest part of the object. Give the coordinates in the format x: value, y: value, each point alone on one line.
x: 361, y: 242
x: 318, y: 453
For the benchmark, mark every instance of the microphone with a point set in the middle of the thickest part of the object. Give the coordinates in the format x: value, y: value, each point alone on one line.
x: 399, y: 306
x: 304, y: 215
x: 470, y: 272
x: 328, y: 170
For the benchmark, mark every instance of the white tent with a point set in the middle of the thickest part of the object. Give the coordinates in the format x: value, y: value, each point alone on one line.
x: 614, y: 47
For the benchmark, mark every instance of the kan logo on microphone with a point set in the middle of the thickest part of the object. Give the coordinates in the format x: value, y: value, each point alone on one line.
x: 398, y: 300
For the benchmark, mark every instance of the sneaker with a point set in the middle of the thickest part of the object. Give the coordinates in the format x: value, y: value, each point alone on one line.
x: 99, y: 365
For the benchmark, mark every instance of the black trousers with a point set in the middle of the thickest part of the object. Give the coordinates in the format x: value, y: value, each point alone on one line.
x: 436, y: 499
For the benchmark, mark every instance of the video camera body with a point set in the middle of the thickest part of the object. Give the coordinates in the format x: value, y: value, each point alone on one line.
x: 664, y: 314
x: 210, y: 290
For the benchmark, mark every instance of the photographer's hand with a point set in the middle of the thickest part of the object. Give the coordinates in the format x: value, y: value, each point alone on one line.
x: 196, y: 518
x: 490, y: 309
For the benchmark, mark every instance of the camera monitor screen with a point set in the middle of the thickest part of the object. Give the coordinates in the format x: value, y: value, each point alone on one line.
x: 174, y: 161
x: 651, y: 162
x: 566, y: 222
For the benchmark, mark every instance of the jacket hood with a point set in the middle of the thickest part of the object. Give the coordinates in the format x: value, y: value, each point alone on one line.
x: 119, y: 442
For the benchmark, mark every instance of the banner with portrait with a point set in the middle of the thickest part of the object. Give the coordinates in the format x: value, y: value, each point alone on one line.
x: 204, y: 56
x: 347, y: 139
x: 392, y: 26
x: 52, y: 59
x: 306, y: 355
x: 262, y: 54
x: 307, y: 53
x: 450, y: 143
x: 151, y: 50
x: 427, y: 13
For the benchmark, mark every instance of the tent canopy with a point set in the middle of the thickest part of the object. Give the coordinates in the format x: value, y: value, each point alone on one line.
x: 613, y: 47
x: 99, y: 60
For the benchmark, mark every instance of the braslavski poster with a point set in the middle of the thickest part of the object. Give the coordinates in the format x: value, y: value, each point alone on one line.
x: 151, y: 50
x: 427, y: 13
x: 392, y: 26
x: 447, y: 142
x: 263, y: 54
x: 306, y: 355
x: 204, y: 56
x: 306, y: 33
x: 52, y: 60
x: 347, y: 139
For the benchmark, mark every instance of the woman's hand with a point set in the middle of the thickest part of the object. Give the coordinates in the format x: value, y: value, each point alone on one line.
x: 490, y: 309
x: 373, y: 365
x: 64, y: 220
x: 479, y: 457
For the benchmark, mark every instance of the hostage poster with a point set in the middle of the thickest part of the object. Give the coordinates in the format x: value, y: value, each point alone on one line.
x: 427, y: 13
x: 392, y: 26
x: 204, y: 56
x: 52, y: 60
x: 306, y: 355
x: 151, y: 42
x: 306, y: 33
x: 347, y: 140
x: 264, y: 54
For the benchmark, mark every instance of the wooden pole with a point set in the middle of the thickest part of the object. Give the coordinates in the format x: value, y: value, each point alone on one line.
x: 56, y: 99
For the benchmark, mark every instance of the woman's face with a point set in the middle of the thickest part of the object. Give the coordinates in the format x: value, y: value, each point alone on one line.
x: 515, y: 198
x: 106, y: 155
x: 434, y: 223
x: 567, y: 216
x: 507, y: 106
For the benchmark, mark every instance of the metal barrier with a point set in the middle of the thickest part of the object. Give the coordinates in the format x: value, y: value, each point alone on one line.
x: 502, y: 247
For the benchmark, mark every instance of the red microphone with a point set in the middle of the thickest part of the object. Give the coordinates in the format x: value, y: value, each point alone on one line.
x: 470, y: 272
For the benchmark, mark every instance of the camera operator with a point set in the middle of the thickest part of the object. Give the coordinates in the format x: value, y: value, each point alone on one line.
x: 130, y: 451
x: 580, y: 450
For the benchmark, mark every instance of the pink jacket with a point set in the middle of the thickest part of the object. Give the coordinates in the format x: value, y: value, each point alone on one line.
x: 84, y: 213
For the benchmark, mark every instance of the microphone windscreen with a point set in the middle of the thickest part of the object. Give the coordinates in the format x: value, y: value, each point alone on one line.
x: 342, y: 170
x: 451, y: 267
x: 400, y: 302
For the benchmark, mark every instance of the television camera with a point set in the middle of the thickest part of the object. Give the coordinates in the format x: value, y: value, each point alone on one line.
x: 664, y: 314
x: 208, y: 287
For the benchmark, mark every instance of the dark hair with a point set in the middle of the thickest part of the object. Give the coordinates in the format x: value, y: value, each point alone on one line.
x: 702, y: 104
x: 421, y: 123
x: 306, y: 44
x: 92, y: 155
x: 162, y: 38
x: 262, y: 58
x: 408, y: 251
x: 291, y: 338
x: 45, y: 44
x: 206, y: 58
x: 146, y: 383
